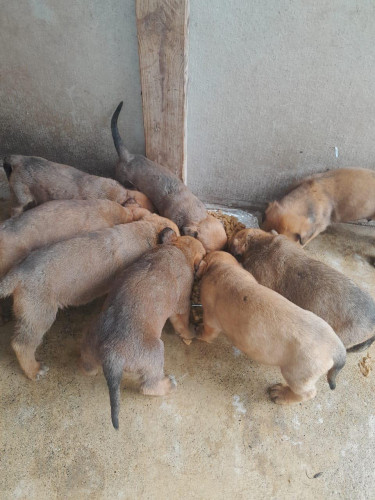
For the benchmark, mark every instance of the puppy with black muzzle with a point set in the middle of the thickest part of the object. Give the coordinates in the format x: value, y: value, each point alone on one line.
x: 126, y: 336
x: 279, y: 264
x: 34, y: 180
x: 71, y: 273
x: 268, y: 328
x: 342, y: 195
x: 169, y: 195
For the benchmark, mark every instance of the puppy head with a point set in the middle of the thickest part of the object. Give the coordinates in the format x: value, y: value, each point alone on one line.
x: 161, y: 222
x: 210, y: 232
x: 193, y: 250
x: 241, y: 241
x: 298, y: 228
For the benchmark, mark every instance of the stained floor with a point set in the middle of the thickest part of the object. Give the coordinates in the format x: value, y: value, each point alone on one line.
x: 216, y: 437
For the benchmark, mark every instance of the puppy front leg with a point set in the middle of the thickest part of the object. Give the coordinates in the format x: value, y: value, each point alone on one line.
x: 180, y: 323
x: 207, y: 333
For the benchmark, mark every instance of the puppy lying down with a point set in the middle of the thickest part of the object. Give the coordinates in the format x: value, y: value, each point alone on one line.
x: 279, y: 264
x: 268, y: 328
x: 34, y: 180
x: 126, y: 336
x: 169, y: 195
x: 342, y: 195
x: 70, y: 273
x: 56, y: 221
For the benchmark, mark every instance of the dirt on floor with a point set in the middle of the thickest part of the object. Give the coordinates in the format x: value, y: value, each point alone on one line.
x: 217, y: 436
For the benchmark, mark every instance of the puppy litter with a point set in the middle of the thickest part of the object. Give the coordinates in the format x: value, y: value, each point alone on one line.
x: 365, y: 365
x: 231, y: 225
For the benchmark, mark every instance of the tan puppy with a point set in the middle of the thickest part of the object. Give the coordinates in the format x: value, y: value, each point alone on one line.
x: 169, y: 195
x: 342, y: 195
x: 71, y: 273
x: 56, y: 221
x: 279, y: 264
x: 268, y: 328
x: 126, y: 336
x: 34, y: 180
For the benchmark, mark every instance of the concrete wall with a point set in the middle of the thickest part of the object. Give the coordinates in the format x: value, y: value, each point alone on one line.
x: 65, y: 65
x: 274, y: 87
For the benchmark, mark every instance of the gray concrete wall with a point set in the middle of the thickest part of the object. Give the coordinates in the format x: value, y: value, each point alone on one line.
x: 274, y: 87
x: 65, y: 65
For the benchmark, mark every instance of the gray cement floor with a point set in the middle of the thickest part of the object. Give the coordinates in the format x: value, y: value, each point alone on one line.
x: 216, y: 437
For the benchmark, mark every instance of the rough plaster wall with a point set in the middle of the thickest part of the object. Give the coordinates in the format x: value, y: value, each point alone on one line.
x: 274, y: 87
x: 65, y: 65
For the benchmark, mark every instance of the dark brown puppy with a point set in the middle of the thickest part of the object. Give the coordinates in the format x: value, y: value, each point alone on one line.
x: 126, y: 336
x: 342, y: 195
x: 279, y: 264
x: 169, y: 195
x: 56, y: 221
x: 71, y: 273
x: 34, y: 180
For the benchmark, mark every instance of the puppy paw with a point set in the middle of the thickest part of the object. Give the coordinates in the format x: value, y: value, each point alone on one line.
x: 186, y: 341
x: 42, y: 371
x: 280, y: 394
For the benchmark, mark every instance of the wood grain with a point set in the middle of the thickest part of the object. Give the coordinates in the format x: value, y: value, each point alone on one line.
x: 163, y: 39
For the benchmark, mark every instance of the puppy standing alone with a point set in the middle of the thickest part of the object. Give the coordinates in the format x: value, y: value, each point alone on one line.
x: 34, y: 180
x: 268, y: 328
x: 342, y: 195
x: 126, y: 336
x: 71, y: 273
x: 279, y: 264
x: 170, y: 196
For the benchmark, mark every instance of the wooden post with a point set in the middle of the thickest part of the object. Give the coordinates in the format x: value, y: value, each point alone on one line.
x: 162, y: 39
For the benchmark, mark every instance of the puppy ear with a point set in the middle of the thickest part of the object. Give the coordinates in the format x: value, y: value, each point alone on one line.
x: 200, y: 268
x: 190, y: 231
x: 167, y: 235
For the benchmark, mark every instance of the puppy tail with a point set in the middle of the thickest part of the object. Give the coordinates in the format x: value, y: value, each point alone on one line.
x: 119, y: 145
x: 8, y: 283
x: 113, y: 373
x: 7, y: 167
x: 362, y: 346
x: 338, y: 363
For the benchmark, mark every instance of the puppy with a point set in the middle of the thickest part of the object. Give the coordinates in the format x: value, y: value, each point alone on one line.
x: 34, y: 180
x: 268, y: 328
x: 56, y: 221
x: 126, y: 336
x: 342, y: 195
x: 71, y: 273
x: 279, y: 264
x: 169, y: 195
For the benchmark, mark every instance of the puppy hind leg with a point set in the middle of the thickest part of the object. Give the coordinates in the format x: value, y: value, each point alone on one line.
x: 28, y: 337
x: 154, y: 382
x: 295, y: 391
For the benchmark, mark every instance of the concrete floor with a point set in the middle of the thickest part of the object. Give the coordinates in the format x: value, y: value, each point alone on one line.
x: 216, y: 437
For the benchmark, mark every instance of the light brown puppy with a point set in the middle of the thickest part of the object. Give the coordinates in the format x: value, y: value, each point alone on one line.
x: 56, y: 221
x: 34, y: 180
x: 277, y: 263
x: 169, y: 195
x: 268, y: 328
x: 126, y: 336
x: 342, y: 195
x: 71, y: 273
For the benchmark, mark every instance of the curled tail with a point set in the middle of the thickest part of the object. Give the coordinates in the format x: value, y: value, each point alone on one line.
x: 8, y: 283
x: 338, y: 362
x: 7, y: 167
x: 119, y: 145
x: 113, y: 373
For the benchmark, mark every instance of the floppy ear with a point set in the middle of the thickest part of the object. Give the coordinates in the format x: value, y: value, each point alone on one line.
x: 200, y: 268
x: 237, y: 248
x: 190, y: 231
x: 167, y: 235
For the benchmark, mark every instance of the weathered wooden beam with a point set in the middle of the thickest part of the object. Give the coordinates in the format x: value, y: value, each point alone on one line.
x: 163, y: 42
